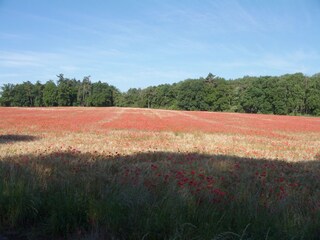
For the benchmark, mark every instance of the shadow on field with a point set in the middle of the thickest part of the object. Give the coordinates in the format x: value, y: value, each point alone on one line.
x: 11, y: 138
x: 70, y: 194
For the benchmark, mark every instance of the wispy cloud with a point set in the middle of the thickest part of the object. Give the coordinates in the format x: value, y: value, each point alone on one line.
x: 210, y: 17
x: 270, y: 64
x: 296, y: 61
x: 26, y: 58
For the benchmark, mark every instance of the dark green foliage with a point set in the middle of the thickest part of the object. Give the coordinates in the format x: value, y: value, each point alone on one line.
x: 255, y: 98
x: 67, y: 92
x: 313, y: 95
x: 101, y: 95
x: 133, y: 98
x: 38, y: 94
x: 84, y: 92
x: 7, y: 95
x: 50, y: 94
x: 293, y: 94
x: 164, y: 96
x: 191, y: 95
x: 219, y: 94
x: 23, y: 95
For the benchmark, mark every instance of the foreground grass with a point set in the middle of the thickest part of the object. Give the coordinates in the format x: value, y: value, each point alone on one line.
x: 157, y: 195
x: 67, y: 173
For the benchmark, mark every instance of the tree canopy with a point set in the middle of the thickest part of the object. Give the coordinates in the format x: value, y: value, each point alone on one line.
x: 293, y: 94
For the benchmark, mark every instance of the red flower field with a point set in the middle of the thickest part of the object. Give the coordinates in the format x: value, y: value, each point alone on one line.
x: 126, y: 173
x: 250, y: 135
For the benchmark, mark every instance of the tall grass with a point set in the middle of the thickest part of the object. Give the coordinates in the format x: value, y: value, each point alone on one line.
x: 158, y: 196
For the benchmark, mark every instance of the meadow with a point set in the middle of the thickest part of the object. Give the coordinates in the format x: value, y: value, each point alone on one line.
x: 126, y: 173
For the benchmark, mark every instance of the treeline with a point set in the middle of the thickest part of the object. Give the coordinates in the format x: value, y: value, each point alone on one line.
x: 66, y: 92
x: 290, y: 94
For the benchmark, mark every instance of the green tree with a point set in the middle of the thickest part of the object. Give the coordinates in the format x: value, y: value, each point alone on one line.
x: 191, y: 95
x: 165, y: 96
x: 117, y: 97
x: 7, y: 95
x: 84, y: 91
x: 148, y: 95
x: 313, y: 95
x: 23, y: 95
x: 38, y: 94
x: 101, y: 96
x: 133, y: 98
x: 286, y: 94
x: 292, y: 86
x: 50, y: 94
x: 67, y: 90
x: 252, y: 98
x: 218, y: 93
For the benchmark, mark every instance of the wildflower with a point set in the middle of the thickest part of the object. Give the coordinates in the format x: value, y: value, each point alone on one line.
x: 201, y: 176
x: 218, y: 192
x: 154, y: 167
x: 293, y: 184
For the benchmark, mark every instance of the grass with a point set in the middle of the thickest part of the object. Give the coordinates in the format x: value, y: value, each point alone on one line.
x: 189, y: 196
x: 135, y: 184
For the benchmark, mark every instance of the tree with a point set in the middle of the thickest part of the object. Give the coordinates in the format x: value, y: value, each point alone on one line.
x: 7, y: 95
x: 313, y: 96
x: 101, y: 96
x: 294, y: 93
x: 218, y: 93
x: 23, y: 95
x: 133, y: 98
x: 165, y: 96
x: 38, y: 94
x: 117, y: 97
x: 252, y: 100
x: 50, y: 94
x: 84, y: 91
x: 286, y: 94
x: 191, y: 95
x: 67, y: 91
x: 148, y: 94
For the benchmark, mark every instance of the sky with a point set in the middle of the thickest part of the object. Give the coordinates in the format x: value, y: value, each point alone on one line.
x: 140, y: 43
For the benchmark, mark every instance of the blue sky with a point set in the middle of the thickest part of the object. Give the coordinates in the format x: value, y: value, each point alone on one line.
x: 138, y: 43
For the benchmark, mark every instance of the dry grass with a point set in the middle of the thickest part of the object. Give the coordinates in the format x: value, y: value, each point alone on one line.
x: 257, y: 174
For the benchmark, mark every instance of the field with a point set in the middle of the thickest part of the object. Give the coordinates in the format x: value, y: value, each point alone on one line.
x: 125, y: 173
